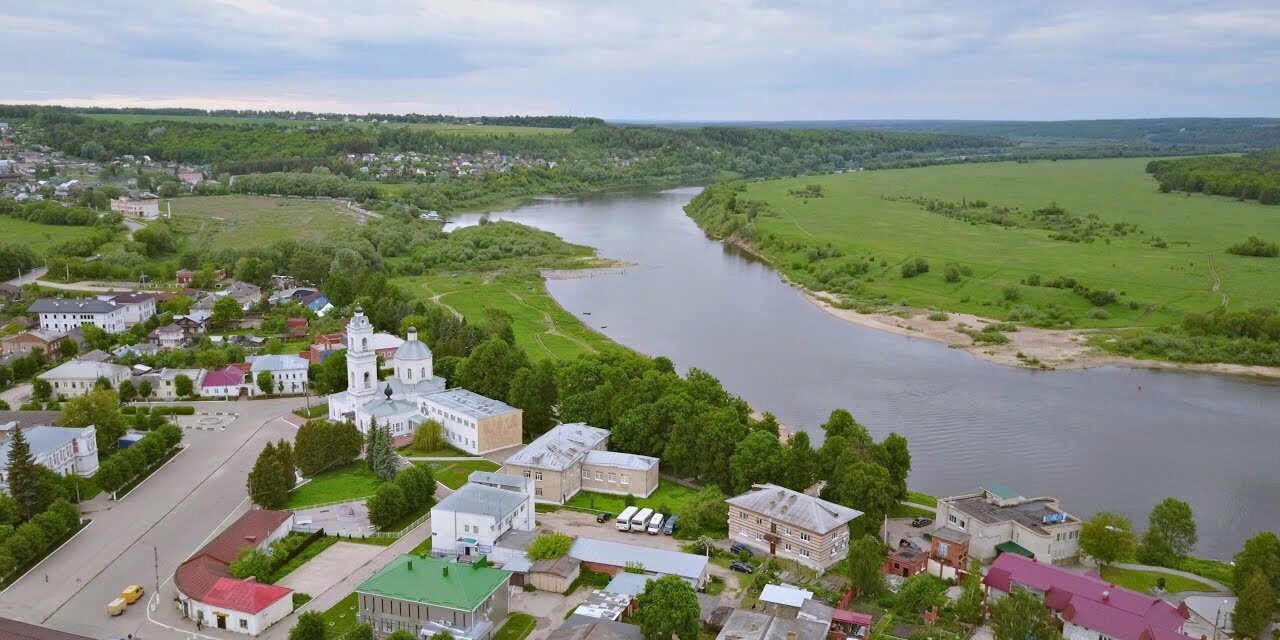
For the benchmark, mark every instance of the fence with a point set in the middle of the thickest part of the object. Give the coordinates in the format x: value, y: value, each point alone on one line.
x: 397, y: 534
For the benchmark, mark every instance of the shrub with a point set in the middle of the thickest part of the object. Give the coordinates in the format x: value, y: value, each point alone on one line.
x: 1010, y: 293
x: 1098, y: 313
x: 913, y: 268
x: 1032, y: 280
x: 1255, y: 247
x: 549, y: 546
x: 939, y: 316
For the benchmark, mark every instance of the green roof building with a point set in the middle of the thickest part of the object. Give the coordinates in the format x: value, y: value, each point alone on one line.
x: 427, y: 595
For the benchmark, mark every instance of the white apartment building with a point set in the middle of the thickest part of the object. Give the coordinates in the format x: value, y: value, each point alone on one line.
x: 64, y: 314
x: 289, y: 373
x: 76, y: 378
x: 470, y: 519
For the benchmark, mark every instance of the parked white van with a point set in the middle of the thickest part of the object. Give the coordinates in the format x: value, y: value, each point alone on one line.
x: 640, y: 520
x: 655, y: 524
x: 624, y: 518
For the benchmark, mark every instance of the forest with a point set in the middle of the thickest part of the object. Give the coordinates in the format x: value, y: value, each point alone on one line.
x: 1255, y: 176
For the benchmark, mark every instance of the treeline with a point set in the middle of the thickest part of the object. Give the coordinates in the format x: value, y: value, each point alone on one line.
x: 492, y: 243
x: 127, y: 464
x: 304, y: 184
x: 1249, y: 337
x: 1255, y: 176
x: 48, y: 212
x: 558, y: 122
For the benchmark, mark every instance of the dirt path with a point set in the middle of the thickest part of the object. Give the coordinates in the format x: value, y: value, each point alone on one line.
x: 797, y: 223
x: 1217, y: 282
x: 437, y: 298
x: 552, y: 330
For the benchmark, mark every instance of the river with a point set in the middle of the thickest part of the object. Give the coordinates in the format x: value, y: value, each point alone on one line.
x: 1107, y: 438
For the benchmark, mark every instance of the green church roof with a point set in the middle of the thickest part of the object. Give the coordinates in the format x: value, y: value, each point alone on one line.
x: 435, y: 582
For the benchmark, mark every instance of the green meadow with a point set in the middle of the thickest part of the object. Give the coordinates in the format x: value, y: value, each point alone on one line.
x: 39, y: 237
x: 250, y: 221
x: 865, y: 217
x: 286, y: 122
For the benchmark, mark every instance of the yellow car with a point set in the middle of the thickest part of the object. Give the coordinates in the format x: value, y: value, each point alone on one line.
x: 131, y: 593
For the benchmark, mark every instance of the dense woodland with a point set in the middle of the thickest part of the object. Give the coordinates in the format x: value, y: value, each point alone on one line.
x: 1255, y: 176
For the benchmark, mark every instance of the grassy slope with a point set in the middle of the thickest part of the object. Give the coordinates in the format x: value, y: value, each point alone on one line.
x: 38, y: 237
x: 525, y: 298
x: 444, y: 128
x: 1144, y: 581
x: 855, y: 218
x: 258, y: 220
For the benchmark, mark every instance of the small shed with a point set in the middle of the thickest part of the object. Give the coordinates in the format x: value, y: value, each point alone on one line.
x: 554, y: 575
x: 128, y: 440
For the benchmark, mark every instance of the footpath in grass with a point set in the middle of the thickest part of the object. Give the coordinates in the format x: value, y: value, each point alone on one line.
x: 517, y: 627
x: 454, y: 474
x: 1144, y: 581
x: 352, y: 482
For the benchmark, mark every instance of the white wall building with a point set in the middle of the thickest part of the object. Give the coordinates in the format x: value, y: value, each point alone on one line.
x: 138, y: 306
x: 289, y: 373
x: 140, y: 205
x: 65, y: 450
x: 469, y: 520
x: 997, y: 519
x: 64, y: 314
x: 76, y: 377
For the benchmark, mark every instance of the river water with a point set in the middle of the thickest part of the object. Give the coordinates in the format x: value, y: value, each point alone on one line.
x: 1113, y: 437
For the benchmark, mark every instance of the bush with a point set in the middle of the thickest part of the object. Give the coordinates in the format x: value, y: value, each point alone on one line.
x: 1032, y: 280
x: 939, y: 316
x: 1010, y: 293
x: 549, y: 546
x: 1255, y: 247
x: 915, y: 267
x: 1098, y: 313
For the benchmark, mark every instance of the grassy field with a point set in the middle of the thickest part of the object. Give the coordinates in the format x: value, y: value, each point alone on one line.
x: 668, y: 498
x: 454, y: 474
x: 856, y: 218
x: 1145, y: 581
x: 241, y: 221
x: 346, y: 483
x: 542, y: 328
x: 517, y: 627
x: 286, y: 122
x: 38, y: 237
x: 341, y: 618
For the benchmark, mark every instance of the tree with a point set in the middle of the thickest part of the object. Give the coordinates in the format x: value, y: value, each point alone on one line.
x: 758, y: 459
x: 1261, y: 554
x: 706, y: 512
x: 101, y: 384
x: 864, y: 562
x: 287, y: 462
x: 865, y: 486
x: 24, y: 480
x: 427, y: 437
x: 266, y: 384
x: 668, y: 608
x: 1170, y: 534
x: 401, y: 634
x: 361, y: 632
x: 226, y: 311
x: 1253, y: 609
x: 183, y: 385
x: 41, y: 390
x: 893, y: 454
x: 487, y: 371
x: 381, y: 457
x: 251, y: 562
x: 69, y: 348
x: 1108, y: 537
x: 919, y: 593
x: 969, y: 606
x: 102, y: 410
x: 330, y: 375
x: 310, y: 626
x: 1022, y: 616
x: 264, y: 481
x: 549, y: 546
x: 533, y: 390
x: 126, y: 391
x: 800, y: 471
x: 144, y: 389
x: 386, y: 506
x: 322, y: 445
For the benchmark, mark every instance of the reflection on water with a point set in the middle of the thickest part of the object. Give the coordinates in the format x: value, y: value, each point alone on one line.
x: 1114, y: 438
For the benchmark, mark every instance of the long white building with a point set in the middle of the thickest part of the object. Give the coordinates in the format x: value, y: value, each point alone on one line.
x: 64, y: 314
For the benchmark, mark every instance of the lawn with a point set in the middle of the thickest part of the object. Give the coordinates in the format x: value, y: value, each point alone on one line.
x: 38, y: 237
x: 240, y: 221
x: 517, y: 627
x: 905, y: 511
x: 921, y: 498
x: 542, y: 328
x: 454, y: 474
x: 351, y: 482
x: 1216, y: 570
x: 286, y: 122
x: 667, y: 499
x: 861, y: 216
x: 1145, y: 581
x: 446, y: 452
x: 422, y: 549
x: 341, y: 618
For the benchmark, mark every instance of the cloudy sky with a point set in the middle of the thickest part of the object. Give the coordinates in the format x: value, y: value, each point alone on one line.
x: 652, y: 59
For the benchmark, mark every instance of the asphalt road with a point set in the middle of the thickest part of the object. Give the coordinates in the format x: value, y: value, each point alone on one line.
x: 151, y: 531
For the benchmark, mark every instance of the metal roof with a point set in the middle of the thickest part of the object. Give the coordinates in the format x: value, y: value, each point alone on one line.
x: 1000, y: 491
x: 795, y: 508
x: 785, y: 594
x: 84, y: 369
x: 71, y: 305
x: 482, y: 500
x: 660, y: 561
x: 434, y: 582
x: 559, y: 448
x: 580, y: 627
x: 620, y: 460
x: 469, y: 403
x: 277, y: 363
x: 631, y: 584
x: 42, y: 439
x: 754, y: 625
x: 412, y: 350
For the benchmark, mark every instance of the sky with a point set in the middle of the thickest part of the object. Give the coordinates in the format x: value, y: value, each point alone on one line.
x: 652, y: 59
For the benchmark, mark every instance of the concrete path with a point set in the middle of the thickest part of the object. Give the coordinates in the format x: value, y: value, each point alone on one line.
x: 29, y: 277
x: 16, y: 395
x: 320, y: 573
x: 1174, y: 572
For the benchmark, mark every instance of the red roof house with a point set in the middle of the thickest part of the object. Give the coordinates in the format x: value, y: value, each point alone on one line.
x: 208, y: 594
x: 1088, y: 602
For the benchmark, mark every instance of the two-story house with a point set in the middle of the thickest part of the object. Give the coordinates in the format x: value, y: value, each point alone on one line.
x: 61, y: 315
x: 472, y: 422
x: 138, y: 306
x: 425, y: 596
x: 469, y: 520
x: 573, y: 457
x: 790, y: 524
x: 65, y: 450
x: 288, y: 372
x: 77, y: 377
x: 997, y: 519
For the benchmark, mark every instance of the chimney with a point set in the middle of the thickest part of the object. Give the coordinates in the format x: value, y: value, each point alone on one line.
x: 410, y: 565
x: 446, y: 572
x: 253, y: 540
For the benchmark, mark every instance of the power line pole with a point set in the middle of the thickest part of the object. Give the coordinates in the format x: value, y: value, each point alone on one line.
x: 156, y: 552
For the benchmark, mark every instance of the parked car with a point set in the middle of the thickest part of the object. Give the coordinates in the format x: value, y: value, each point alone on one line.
x: 741, y: 567
x: 117, y: 607
x: 921, y: 522
x: 131, y: 593
x: 604, y: 517
x: 738, y: 547
x: 669, y: 527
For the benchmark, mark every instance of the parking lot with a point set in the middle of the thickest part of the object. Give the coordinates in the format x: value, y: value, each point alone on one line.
x: 580, y: 524
x: 347, y: 519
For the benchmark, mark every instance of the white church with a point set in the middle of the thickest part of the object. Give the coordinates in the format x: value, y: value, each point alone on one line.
x: 413, y: 393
